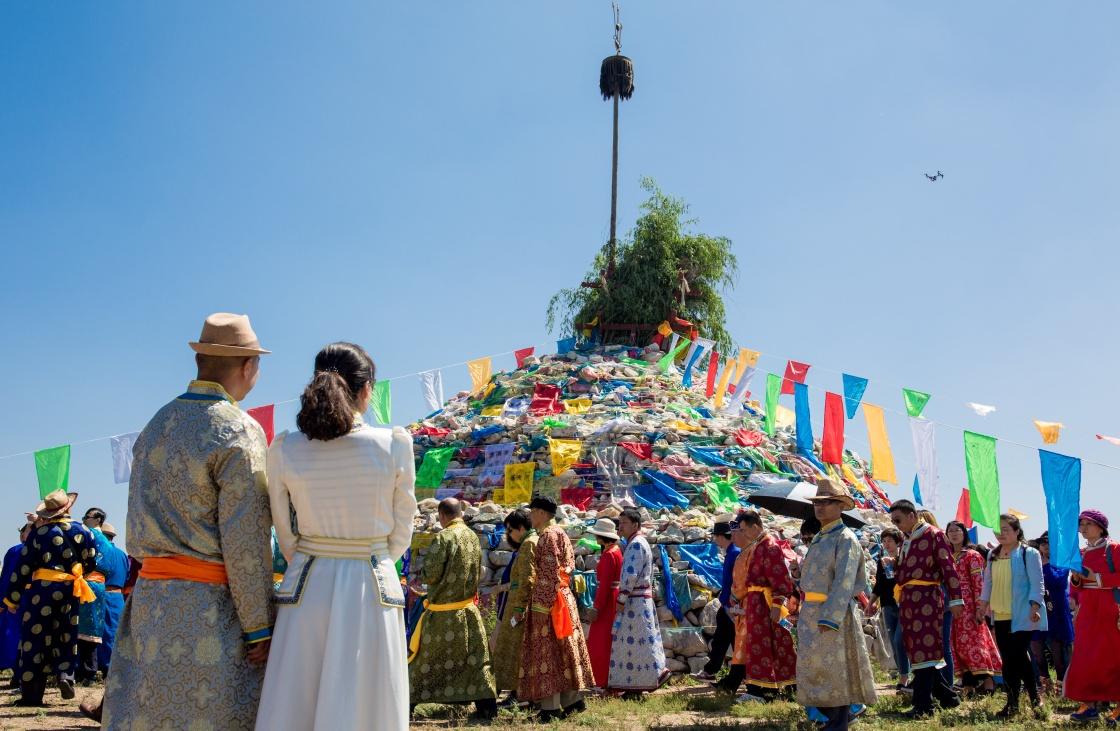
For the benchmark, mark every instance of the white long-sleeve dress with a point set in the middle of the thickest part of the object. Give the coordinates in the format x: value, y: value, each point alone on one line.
x: 339, y: 657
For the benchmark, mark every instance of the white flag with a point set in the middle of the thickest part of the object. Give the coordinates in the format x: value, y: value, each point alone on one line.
x: 741, y: 387
x: 981, y: 409
x: 1110, y: 440
x: 925, y: 458
x: 122, y: 456
x: 431, y: 384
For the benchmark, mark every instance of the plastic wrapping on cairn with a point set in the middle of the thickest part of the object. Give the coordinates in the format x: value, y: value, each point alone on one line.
x: 644, y: 440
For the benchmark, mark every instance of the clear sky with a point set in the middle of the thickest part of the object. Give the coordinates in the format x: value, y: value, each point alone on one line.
x: 420, y: 177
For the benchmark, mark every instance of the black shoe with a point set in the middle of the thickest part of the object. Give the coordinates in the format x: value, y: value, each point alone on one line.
x: 915, y: 715
x: 578, y: 707
x: 66, y: 688
x: 1008, y: 711
x: 510, y: 702
x: 30, y: 702
x: 545, y: 716
x: 951, y: 701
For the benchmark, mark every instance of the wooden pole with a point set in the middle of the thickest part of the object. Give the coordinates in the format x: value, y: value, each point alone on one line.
x: 614, y: 191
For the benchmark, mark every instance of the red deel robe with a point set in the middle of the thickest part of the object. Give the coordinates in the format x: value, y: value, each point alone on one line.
x: 608, y: 573
x: 1094, y: 668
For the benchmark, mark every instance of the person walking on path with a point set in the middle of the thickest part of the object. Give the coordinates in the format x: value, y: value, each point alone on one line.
x: 833, y: 668
x: 1058, y: 637
x: 196, y: 630
x: 513, y: 602
x: 1012, y: 596
x: 724, y: 636
x: 975, y: 656
x: 338, y: 651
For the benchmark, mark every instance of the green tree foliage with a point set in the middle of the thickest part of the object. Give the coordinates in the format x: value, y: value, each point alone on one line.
x: 661, y: 268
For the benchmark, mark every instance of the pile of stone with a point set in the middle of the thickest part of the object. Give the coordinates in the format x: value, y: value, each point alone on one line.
x: 646, y: 441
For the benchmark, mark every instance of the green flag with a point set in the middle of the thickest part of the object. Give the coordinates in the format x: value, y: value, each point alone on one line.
x: 381, y: 402
x: 773, y: 390
x: 668, y: 358
x: 52, y: 467
x: 434, y: 465
x: 983, y: 478
x: 722, y: 493
x: 915, y: 401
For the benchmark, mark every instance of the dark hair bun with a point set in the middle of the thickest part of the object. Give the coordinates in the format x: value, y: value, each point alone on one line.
x: 329, y: 402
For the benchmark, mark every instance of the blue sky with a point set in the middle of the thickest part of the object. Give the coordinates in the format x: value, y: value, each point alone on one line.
x: 421, y: 177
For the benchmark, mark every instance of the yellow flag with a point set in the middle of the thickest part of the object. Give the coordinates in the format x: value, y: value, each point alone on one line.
x: 1050, y: 430
x: 577, y: 405
x: 747, y: 357
x: 480, y: 373
x: 1017, y: 514
x: 851, y: 477
x: 664, y: 329
x: 882, y: 460
x: 684, y: 425
x: 564, y: 453
x: 495, y: 410
x: 519, y: 482
x: 785, y: 417
x: 724, y: 377
x: 499, y: 496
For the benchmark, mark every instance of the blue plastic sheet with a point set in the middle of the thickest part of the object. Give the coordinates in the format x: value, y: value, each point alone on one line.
x: 671, y: 602
x: 664, y: 490
x: 705, y: 560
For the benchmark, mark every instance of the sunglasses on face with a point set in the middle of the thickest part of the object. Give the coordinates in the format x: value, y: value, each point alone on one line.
x: 896, y: 519
x: 735, y: 525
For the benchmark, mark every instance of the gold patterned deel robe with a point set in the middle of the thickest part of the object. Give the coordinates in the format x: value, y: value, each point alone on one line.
x: 453, y: 663
x: 833, y: 668
x: 197, y: 490
x: 508, y: 636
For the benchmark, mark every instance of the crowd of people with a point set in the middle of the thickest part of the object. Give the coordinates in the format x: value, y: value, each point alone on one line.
x: 197, y: 625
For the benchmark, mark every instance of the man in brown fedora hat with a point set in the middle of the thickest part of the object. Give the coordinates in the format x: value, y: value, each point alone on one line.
x: 194, y: 636
x: 47, y: 589
x: 833, y: 668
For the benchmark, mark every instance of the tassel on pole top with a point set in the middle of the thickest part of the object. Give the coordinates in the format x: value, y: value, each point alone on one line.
x: 616, y: 75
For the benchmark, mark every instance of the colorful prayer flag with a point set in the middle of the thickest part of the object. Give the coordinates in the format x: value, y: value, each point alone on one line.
x: 1050, y: 430
x: 742, y: 388
x: 713, y: 367
x: 1110, y: 440
x: 546, y: 400
x: 915, y: 401
x: 264, y: 416
x: 497, y: 456
x: 964, y: 512
x: 565, y: 345
x: 832, y: 442
x: 854, y: 388
x: 430, y: 474
x: 773, y: 387
x: 724, y: 377
x: 925, y: 459
x: 522, y: 355
x: 495, y: 410
x: 52, y: 467
x: 122, y: 446
x: 1021, y: 516
x: 577, y: 405
x: 980, y: 409
x: 804, y: 423
x: 480, y: 373
x: 1061, y: 482
x: 519, y: 482
x: 667, y: 360
x: 795, y: 373
x: 983, y: 478
x: 431, y: 386
x: 564, y: 453
x: 381, y: 402
x: 882, y: 459
x: 690, y: 363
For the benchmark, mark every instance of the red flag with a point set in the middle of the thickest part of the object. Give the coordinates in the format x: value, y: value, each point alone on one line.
x: 745, y: 438
x: 522, y: 354
x: 431, y: 431
x: 263, y: 415
x: 964, y: 509
x: 580, y: 497
x: 638, y: 449
x: 546, y: 400
x: 713, y: 366
x: 832, y: 443
x: 795, y: 373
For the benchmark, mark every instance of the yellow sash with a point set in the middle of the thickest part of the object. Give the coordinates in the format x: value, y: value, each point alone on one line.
x: 769, y: 596
x: 414, y: 643
x: 816, y: 596
x: 912, y: 582
x: 82, y: 589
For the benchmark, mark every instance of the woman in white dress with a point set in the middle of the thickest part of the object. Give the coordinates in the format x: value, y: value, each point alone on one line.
x: 342, y: 502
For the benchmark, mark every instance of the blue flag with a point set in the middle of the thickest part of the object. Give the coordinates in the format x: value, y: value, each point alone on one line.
x: 686, y: 381
x: 670, y: 596
x: 854, y: 386
x: 917, y: 492
x: 565, y: 346
x: 705, y: 561
x: 804, y: 425
x: 1061, y: 481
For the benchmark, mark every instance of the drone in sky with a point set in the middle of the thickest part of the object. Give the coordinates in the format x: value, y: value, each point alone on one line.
x: 933, y: 178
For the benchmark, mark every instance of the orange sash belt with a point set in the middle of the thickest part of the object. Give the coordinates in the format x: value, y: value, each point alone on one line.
x: 96, y: 576
x: 184, y: 568
x: 81, y: 586
x: 561, y: 619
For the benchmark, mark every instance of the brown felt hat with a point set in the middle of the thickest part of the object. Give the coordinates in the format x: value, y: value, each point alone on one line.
x: 227, y: 334
x: 56, y: 504
x: 829, y: 490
